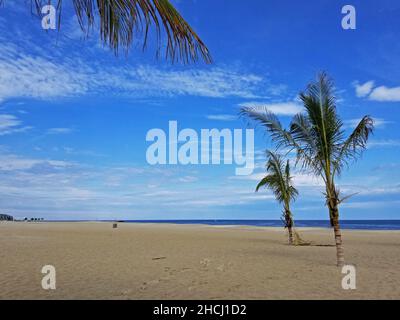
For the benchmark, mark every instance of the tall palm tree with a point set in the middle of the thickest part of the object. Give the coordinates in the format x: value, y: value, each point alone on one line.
x: 278, y: 179
x: 317, y: 136
x: 123, y: 21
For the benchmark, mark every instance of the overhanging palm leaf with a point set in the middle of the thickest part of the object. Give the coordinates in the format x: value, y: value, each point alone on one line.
x: 122, y: 21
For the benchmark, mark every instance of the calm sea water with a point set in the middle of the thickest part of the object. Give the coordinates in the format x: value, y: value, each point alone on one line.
x: 345, y: 224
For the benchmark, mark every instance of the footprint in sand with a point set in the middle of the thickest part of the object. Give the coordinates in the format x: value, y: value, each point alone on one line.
x: 221, y: 268
x: 205, y: 263
x: 145, y: 285
x: 126, y: 292
x: 153, y: 282
x: 224, y: 267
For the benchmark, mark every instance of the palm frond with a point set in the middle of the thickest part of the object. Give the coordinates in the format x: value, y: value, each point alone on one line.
x: 278, y: 179
x: 355, y: 144
x: 345, y: 198
x: 281, y: 137
x: 304, y: 134
x: 325, y: 127
x: 293, y: 192
x: 263, y: 183
x: 123, y: 21
x: 262, y: 116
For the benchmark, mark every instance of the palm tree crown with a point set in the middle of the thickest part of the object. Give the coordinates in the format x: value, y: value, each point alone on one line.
x: 278, y: 179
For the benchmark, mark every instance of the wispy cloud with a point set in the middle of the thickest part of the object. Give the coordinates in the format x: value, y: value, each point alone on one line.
x: 89, y: 190
x: 378, y: 123
x: 29, y: 70
x: 383, y: 143
x: 59, y: 131
x: 10, y: 124
x: 379, y: 190
x: 216, y: 82
x: 41, y: 77
x: 222, y: 117
x: 299, y: 179
x: 371, y: 204
x: 188, y: 179
x: 281, y: 108
x: 25, y: 75
x: 12, y: 162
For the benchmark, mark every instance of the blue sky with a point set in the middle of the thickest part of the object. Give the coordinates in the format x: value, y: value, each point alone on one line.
x: 74, y: 118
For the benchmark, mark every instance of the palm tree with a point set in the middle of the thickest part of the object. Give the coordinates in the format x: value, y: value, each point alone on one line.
x: 318, y: 138
x: 123, y: 21
x: 279, y: 181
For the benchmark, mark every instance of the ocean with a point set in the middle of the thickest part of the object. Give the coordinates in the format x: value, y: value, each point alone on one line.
x: 345, y: 224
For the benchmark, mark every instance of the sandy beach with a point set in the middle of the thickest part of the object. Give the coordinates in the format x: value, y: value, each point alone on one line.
x: 157, y: 261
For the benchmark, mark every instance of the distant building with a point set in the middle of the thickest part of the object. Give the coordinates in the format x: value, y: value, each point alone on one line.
x: 6, y: 217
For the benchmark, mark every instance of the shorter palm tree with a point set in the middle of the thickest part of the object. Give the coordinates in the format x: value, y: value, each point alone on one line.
x: 279, y: 180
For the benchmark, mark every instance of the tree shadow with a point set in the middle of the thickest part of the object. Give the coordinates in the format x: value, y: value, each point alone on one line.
x: 312, y: 244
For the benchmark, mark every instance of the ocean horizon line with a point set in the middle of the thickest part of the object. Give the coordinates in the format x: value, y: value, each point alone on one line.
x: 356, y: 224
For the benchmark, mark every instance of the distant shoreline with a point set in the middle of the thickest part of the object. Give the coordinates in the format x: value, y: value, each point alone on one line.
x: 345, y: 224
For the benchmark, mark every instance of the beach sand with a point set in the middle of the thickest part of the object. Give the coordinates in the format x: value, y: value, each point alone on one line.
x: 160, y: 261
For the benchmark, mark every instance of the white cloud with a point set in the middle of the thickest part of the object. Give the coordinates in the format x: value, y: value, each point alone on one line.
x: 362, y: 90
x: 59, y: 130
x: 24, y: 75
x: 307, y: 180
x: 215, y: 82
x: 42, y: 77
x: 282, y: 108
x: 30, y: 69
x: 8, y: 121
x: 13, y: 162
x: 370, y: 204
x: 10, y: 124
x: 378, y: 123
x: 222, y: 117
x: 383, y: 93
x: 299, y: 179
x: 383, y: 143
x: 277, y: 89
x: 252, y: 177
x: 188, y: 179
x: 379, y: 190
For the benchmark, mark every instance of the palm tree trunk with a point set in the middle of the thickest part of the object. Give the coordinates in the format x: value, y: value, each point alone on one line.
x: 334, y: 214
x: 289, y: 225
x: 290, y: 229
